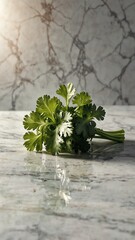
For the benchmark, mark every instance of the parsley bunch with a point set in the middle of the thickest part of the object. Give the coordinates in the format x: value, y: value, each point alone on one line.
x: 65, y: 128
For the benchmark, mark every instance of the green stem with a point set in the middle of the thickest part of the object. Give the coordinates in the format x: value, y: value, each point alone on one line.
x: 117, y: 136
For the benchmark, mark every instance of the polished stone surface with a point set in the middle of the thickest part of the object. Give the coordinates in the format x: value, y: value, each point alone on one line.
x: 68, y: 197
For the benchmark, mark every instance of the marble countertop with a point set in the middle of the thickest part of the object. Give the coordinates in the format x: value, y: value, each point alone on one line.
x: 68, y: 197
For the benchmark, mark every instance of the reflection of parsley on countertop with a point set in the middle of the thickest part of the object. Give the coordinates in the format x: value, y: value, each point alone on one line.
x: 65, y: 128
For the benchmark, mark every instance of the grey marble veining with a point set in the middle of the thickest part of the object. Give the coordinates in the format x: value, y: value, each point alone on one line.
x: 46, y: 43
x: 68, y: 196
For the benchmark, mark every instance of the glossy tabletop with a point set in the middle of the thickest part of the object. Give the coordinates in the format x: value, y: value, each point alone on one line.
x: 68, y: 196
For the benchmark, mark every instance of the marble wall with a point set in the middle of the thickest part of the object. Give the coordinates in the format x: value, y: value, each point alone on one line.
x: 46, y: 43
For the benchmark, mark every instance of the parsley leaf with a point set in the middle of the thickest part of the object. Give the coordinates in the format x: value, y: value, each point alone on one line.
x: 33, y: 141
x: 53, y: 141
x: 84, y: 127
x: 47, y: 106
x: 66, y: 128
x: 97, y: 112
x: 56, y: 135
x: 33, y: 121
x: 82, y: 99
x: 67, y: 92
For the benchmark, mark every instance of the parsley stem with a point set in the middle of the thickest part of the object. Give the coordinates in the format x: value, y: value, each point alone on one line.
x: 117, y: 136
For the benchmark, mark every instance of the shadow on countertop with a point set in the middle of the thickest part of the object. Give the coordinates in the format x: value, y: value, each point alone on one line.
x: 104, y: 150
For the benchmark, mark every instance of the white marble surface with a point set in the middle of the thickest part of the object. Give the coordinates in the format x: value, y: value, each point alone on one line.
x: 68, y: 197
x: 45, y: 43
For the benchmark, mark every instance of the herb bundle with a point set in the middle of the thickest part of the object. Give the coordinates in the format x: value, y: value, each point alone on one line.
x: 66, y: 128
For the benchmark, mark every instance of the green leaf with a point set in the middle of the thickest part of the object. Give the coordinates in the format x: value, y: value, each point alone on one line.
x: 56, y: 134
x: 53, y: 141
x: 47, y: 106
x: 81, y: 127
x: 85, y: 128
x: 67, y: 92
x: 33, y: 141
x: 33, y: 121
x: 82, y: 99
x: 98, y: 113
x: 66, y: 146
x: 80, y: 144
x: 65, y: 127
x: 90, y: 112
